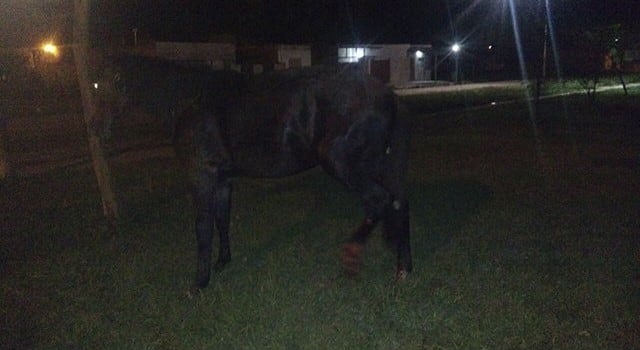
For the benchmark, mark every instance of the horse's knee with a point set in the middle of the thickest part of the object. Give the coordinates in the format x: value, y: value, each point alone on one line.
x: 375, y: 199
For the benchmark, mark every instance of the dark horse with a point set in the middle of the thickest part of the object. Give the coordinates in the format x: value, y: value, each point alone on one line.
x: 226, y: 124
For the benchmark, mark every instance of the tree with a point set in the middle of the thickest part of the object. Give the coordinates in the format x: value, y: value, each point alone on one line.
x: 595, y: 52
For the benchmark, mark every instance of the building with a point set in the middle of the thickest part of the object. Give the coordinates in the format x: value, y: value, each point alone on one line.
x: 395, y: 64
x: 259, y: 58
x: 226, y: 55
x: 215, y: 55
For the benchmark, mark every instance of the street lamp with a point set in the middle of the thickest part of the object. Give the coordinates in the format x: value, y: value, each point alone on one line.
x: 455, y: 48
x: 50, y: 48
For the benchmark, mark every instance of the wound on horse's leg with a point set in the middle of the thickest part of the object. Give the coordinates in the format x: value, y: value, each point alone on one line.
x: 352, y: 250
x: 374, y: 198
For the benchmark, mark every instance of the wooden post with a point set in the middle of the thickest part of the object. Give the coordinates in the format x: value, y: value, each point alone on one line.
x: 98, y: 159
x: 4, y: 158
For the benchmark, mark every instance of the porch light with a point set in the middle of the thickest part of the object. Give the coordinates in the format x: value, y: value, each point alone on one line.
x: 50, y: 49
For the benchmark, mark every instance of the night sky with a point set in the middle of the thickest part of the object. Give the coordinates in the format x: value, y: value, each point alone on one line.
x: 27, y: 22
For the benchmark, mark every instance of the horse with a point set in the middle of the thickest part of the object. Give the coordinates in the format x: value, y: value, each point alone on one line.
x: 226, y: 124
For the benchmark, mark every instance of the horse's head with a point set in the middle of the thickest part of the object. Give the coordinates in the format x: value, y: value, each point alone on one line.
x: 110, y: 93
x: 110, y: 90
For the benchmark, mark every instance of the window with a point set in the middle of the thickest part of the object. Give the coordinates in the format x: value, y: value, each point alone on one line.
x: 350, y: 54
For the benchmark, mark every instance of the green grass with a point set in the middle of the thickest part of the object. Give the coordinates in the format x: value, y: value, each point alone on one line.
x: 436, y: 101
x: 451, y: 100
x: 552, y: 87
x: 514, y: 248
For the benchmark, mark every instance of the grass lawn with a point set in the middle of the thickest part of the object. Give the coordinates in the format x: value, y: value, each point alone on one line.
x: 517, y: 244
x: 435, y: 100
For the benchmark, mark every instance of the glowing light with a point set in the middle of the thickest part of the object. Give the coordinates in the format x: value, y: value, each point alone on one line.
x: 490, y: 47
x: 50, y: 49
x: 350, y: 54
x: 419, y: 54
x: 95, y: 86
x: 455, y: 48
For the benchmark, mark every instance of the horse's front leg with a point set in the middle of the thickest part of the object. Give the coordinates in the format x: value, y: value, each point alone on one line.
x: 374, y: 199
x: 205, y: 205
x: 353, y: 248
x: 397, y: 231
x: 222, y: 216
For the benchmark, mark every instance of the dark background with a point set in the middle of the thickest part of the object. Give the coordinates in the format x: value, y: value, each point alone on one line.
x: 28, y: 22
x: 475, y: 24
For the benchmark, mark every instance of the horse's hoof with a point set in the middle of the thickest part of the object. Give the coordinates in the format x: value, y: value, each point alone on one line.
x: 194, y: 291
x: 401, y: 275
x: 352, y: 258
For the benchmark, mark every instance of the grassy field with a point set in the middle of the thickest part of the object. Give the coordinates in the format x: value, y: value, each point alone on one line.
x: 436, y: 100
x: 517, y: 244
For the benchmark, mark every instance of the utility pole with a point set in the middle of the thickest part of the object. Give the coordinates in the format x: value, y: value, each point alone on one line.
x: 545, y: 44
x: 98, y: 159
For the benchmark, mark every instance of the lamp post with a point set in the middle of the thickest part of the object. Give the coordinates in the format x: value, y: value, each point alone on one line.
x: 543, y: 69
x: 455, y: 49
x: 135, y: 37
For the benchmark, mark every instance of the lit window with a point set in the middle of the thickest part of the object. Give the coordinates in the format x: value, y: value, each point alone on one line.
x: 350, y: 54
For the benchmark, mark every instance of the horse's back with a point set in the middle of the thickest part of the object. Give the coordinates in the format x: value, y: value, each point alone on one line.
x: 285, y: 120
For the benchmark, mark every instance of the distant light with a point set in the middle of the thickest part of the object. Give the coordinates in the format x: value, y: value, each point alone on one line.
x: 350, y: 54
x: 490, y: 47
x: 419, y: 54
x: 493, y: 103
x: 50, y: 49
x: 455, y: 48
x: 95, y: 86
x: 617, y: 39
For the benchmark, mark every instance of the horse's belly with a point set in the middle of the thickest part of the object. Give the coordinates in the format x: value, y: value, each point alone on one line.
x: 265, y: 140
x: 263, y: 160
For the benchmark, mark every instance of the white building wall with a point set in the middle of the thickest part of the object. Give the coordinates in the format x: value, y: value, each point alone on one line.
x: 399, y: 62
